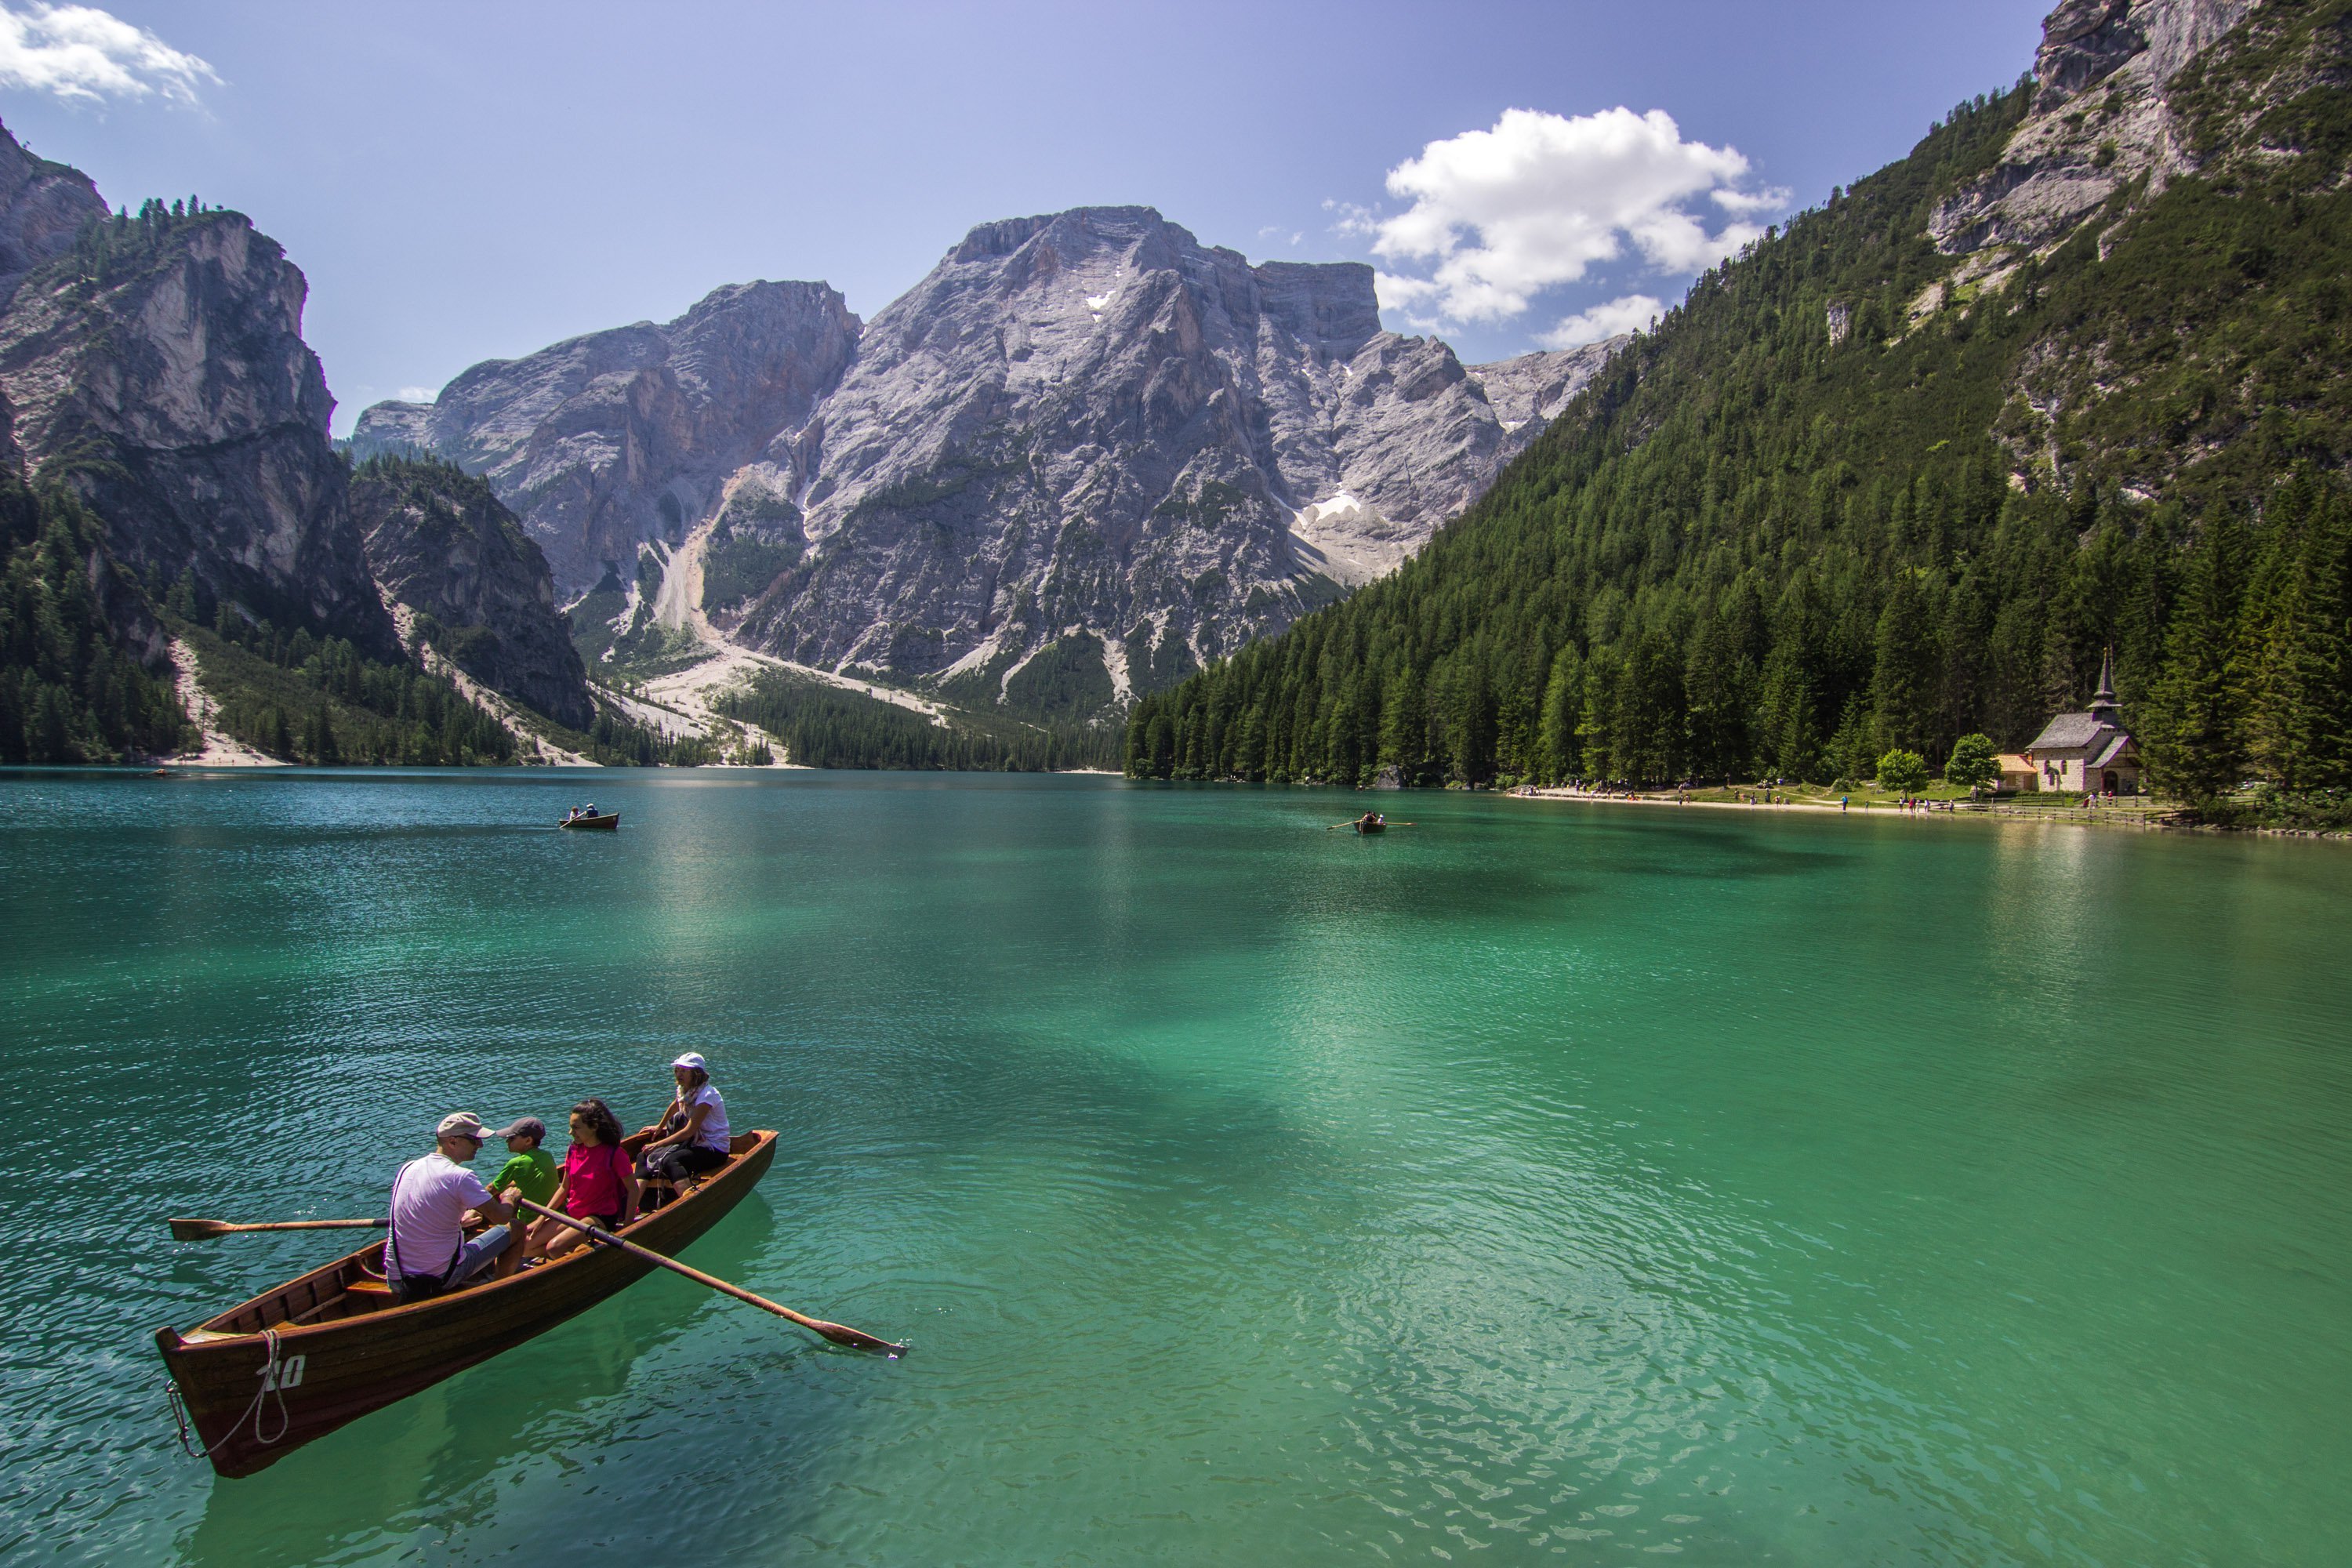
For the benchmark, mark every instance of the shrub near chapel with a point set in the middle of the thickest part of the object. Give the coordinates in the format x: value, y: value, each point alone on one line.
x: 1903, y: 772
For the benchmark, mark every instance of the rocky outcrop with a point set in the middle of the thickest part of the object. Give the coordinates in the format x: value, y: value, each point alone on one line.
x: 158, y: 368
x: 2101, y: 121
x: 1528, y: 392
x: 392, y: 430
x: 44, y: 207
x: 476, y: 587
x: 604, y: 442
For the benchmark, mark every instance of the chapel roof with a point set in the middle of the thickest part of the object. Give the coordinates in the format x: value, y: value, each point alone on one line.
x: 2115, y: 749
x: 2070, y: 731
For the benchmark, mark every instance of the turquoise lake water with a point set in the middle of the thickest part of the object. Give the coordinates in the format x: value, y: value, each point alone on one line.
x: 1545, y: 1182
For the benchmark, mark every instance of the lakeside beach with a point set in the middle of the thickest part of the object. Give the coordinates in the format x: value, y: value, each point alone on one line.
x: 2140, y: 813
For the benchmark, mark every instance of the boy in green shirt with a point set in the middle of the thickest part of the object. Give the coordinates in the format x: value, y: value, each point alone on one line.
x: 529, y: 1169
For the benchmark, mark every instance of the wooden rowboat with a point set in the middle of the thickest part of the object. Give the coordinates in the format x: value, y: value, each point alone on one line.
x: 610, y: 822
x: 328, y: 1347
x: 1370, y: 825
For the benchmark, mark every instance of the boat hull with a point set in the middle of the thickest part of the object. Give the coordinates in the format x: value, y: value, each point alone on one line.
x: 608, y: 823
x: 332, y: 1373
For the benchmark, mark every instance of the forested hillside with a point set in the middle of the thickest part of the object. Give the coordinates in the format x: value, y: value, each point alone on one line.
x: 822, y: 726
x: 1856, y: 493
x: 72, y: 685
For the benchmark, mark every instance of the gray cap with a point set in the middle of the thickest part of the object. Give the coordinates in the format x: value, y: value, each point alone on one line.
x: 522, y: 1127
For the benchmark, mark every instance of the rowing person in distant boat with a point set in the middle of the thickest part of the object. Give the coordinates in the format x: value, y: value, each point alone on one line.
x: 691, y: 1137
x: 580, y: 813
x: 425, y: 1251
x: 1370, y: 822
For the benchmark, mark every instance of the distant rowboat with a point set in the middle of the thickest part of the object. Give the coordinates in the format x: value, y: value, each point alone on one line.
x: 1371, y: 824
x: 610, y: 822
x: 328, y: 1347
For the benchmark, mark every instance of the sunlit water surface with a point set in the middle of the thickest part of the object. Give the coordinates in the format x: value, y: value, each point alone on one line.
x: 1541, y: 1182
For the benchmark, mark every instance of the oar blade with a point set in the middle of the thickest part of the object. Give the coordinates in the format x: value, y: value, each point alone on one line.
x: 197, y: 1229
x: 856, y: 1339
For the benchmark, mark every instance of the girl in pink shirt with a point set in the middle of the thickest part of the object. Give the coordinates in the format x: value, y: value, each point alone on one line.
x: 599, y: 1183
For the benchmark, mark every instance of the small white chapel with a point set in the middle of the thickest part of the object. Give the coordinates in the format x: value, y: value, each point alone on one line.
x: 2090, y: 753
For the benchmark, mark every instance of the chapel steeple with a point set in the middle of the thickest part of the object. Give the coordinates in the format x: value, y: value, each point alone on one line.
x: 2103, y: 701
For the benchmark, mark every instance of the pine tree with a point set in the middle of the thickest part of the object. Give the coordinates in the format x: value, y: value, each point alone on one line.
x: 1597, y: 725
x: 1404, y: 726
x: 1904, y: 696
x: 2301, y: 702
x: 1850, y: 752
x: 2195, y: 737
x: 1563, y: 701
x: 1715, y: 686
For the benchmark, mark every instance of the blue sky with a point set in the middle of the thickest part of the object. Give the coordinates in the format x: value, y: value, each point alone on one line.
x: 469, y: 181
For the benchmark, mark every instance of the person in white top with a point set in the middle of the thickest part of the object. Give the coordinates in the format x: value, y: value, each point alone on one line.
x: 426, y: 1252
x: 691, y: 1137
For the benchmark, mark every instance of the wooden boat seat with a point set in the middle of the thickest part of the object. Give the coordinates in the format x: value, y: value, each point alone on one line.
x: 369, y: 1289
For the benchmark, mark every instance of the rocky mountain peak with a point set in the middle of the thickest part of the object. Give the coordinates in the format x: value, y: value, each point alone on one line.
x: 1088, y: 427
x: 1083, y: 437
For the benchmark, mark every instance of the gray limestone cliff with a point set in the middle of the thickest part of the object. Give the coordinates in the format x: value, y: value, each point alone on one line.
x: 1082, y: 436
x: 2103, y: 120
x: 156, y: 366
x: 476, y: 587
x: 616, y: 439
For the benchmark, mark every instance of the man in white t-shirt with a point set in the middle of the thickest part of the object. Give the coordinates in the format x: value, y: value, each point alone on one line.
x: 427, y: 1252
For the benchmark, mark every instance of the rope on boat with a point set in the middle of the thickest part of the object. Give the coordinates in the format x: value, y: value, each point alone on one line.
x: 269, y: 1385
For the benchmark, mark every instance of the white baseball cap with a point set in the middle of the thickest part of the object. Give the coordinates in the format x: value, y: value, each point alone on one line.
x: 692, y: 1059
x: 462, y: 1125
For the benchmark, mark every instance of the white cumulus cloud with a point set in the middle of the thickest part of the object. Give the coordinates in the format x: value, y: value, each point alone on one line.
x: 1497, y: 217
x: 82, y: 52
x: 416, y: 395
x: 1627, y: 313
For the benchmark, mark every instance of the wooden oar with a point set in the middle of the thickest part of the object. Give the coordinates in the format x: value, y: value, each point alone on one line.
x: 206, y: 1229
x: 838, y: 1333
